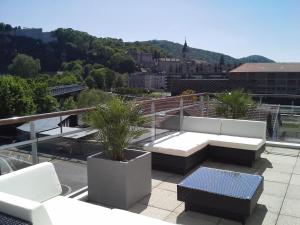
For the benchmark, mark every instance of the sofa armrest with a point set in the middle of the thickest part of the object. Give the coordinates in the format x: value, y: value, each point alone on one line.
x: 24, y: 209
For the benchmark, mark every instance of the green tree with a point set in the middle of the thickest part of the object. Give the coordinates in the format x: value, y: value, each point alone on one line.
x: 43, y: 100
x: 86, y: 70
x: 92, y: 97
x: 90, y: 82
x: 234, y: 104
x: 66, y: 78
x: 119, y: 81
x: 69, y: 104
x: 110, y: 78
x: 121, y: 63
x: 15, y: 97
x: 99, y: 77
x: 74, y: 67
x: 24, y: 66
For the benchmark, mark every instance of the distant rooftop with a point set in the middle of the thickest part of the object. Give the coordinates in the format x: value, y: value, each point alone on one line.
x: 267, y: 68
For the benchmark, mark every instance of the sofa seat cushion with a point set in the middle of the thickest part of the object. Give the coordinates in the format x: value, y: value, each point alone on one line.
x: 63, y: 210
x: 237, y: 142
x: 125, y: 217
x: 181, y: 144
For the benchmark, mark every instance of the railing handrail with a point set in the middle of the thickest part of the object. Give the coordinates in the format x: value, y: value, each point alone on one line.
x: 26, y: 119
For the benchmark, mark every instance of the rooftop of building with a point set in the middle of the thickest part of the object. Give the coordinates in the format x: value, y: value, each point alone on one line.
x: 267, y: 68
x: 280, y: 166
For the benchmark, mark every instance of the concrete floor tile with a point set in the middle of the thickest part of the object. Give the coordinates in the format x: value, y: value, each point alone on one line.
x: 261, y: 216
x: 275, y: 188
x: 295, y: 179
x: 297, y: 169
x: 150, y: 211
x: 281, y: 167
x: 274, y: 158
x: 271, y: 202
x: 159, y: 176
x: 155, y: 183
x: 180, y: 208
x: 268, y: 148
x: 171, y: 183
x: 192, y: 218
x: 284, y: 151
x: 270, y: 175
x: 293, y: 192
x: 288, y: 220
x: 162, y: 199
x: 291, y: 207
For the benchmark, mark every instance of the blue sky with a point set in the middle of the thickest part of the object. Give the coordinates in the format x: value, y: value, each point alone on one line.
x: 235, y: 27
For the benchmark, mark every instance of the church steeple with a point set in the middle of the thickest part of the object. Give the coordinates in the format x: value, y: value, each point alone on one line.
x: 184, y: 49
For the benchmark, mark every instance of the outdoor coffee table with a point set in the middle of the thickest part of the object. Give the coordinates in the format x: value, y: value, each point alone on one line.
x: 222, y: 193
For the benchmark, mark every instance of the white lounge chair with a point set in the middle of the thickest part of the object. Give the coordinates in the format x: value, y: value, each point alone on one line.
x: 33, y: 194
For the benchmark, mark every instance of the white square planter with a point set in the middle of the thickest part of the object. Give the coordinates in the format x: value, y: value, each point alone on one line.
x: 119, y: 184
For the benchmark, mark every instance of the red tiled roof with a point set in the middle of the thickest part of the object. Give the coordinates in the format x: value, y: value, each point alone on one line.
x: 267, y: 68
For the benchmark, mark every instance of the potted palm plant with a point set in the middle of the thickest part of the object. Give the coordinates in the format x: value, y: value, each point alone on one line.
x: 118, y: 176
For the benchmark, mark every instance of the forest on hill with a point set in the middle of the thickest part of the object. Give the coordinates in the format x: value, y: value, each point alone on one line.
x: 174, y: 49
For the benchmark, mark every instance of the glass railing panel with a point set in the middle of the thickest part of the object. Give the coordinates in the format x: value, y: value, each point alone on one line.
x: 288, y: 129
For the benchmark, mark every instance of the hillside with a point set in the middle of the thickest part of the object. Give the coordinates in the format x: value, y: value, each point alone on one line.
x: 117, y: 55
x: 70, y: 45
x: 174, y: 49
x: 256, y: 59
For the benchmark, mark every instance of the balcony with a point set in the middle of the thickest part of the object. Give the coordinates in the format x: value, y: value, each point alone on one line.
x: 279, y: 164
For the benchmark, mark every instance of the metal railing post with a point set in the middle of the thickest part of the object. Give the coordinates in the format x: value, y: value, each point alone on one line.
x: 153, y: 127
x: 181, y: 114
x: 33, y: 145
x: 202, y: 104
x: 275, y: 125
x: 207, y: 110
x: 61, y: 127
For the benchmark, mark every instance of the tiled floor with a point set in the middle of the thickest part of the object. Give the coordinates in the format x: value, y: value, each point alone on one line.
x: 278, y: 205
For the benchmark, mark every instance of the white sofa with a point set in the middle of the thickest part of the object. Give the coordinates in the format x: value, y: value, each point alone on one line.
x: 33, y: 194
x: 239, y: 141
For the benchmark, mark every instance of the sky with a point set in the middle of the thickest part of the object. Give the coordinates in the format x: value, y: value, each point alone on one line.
x: 235, y: 27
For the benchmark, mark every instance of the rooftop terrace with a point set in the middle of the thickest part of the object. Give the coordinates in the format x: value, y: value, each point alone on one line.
x: 278, y: 205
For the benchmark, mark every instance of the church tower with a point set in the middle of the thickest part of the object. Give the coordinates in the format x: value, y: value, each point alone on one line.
x: 186, y: 73
x: 184, y: 50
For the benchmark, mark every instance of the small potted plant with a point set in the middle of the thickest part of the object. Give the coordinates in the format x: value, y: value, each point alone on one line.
x: 118, y: 177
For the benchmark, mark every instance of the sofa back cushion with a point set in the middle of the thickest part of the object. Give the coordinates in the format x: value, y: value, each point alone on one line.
x: 201, y: 124
x: 244, y: 128
x: 37, y: 183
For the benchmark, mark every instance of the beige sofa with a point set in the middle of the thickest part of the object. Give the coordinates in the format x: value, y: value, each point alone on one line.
x: 236, y: 141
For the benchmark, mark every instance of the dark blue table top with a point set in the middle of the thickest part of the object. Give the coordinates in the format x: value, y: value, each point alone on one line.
x: 223, y: 182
